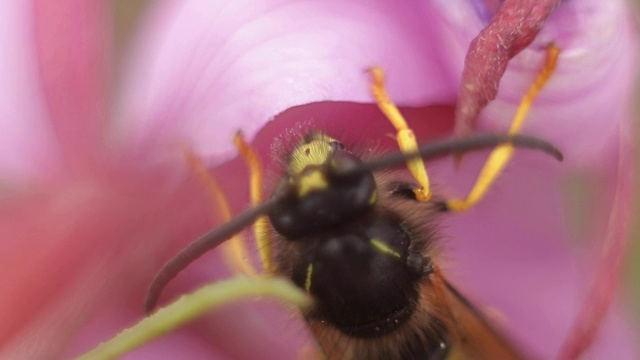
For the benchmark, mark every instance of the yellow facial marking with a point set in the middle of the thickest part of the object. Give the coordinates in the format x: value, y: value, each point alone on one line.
x: 373, y: 198
x: 383, y: 248
x: 307, y: 282
x: 311, y: 181
x: 314, y: 151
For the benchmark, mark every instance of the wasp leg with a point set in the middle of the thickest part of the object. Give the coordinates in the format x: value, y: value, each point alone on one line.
x: 310, y: 351
x: 502, y: 154
x: 261, y: 230
x: 235, y: 249
x: 405, y: 136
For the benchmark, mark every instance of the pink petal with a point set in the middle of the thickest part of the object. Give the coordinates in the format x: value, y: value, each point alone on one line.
x: 28, y: 146
x: 490, y: 52
x: 589, y: 95
x: 243, y: 80
x: 511, y: 255
x: 73, y: 49
x: 199, y: 113
x: 73, y: 249
x: 53, y: 93
x: 592, y: 86
x: 203, y: 70
x: 587, y: 324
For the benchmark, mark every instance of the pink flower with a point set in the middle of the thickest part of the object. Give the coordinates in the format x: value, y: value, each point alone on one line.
x: 96, y: 195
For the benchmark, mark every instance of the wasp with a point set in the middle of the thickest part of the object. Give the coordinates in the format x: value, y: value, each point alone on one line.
x: 358, y: 240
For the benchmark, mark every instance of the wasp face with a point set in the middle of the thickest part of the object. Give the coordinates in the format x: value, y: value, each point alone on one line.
x: 321, y: 196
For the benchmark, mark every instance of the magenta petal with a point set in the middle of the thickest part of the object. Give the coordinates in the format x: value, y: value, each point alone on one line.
x: 204, y: 70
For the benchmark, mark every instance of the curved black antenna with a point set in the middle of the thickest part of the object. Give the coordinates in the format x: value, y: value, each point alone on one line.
x: 435, y: 149
x: 431, y: 150
x: 199, y: 247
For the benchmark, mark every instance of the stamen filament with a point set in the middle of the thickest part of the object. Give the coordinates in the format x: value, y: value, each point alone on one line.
x: 501, y: 155
x: 405, y: 136
x: 194, y: 305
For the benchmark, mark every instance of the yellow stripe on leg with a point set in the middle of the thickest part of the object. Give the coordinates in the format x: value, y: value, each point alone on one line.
x: 261, y: 230
x: 543, y: 76
x: 307, y: 281
x: 405, y: 136
x: 501, y: 155
x: 234, y: 250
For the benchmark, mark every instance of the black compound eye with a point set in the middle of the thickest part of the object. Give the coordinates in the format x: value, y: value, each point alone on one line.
x: 335, y: 199
x: 337, y: 145
x: 403, y: 190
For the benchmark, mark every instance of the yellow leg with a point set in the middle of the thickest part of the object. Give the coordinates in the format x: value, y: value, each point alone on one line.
x: 501, y: 155
x: 405, y: 136
x: 261, y: 230
x: 235, y: 250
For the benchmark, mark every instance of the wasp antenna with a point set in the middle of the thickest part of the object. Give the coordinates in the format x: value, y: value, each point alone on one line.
x: 441, y: 148
x: 487, y: 141
x: 199, y: 247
